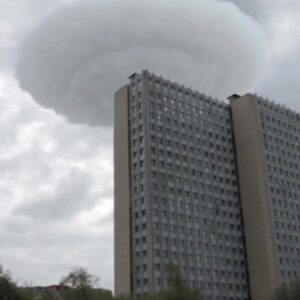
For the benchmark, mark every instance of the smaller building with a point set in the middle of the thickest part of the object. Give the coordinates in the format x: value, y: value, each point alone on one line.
x: 56, y: 290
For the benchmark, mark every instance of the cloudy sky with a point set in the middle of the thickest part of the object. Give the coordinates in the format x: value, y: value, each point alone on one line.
x: 56, y: 169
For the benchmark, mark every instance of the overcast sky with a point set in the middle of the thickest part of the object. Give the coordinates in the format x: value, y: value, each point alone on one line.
x: 56, y: 177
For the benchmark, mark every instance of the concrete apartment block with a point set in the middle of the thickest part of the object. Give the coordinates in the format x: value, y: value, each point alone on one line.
x: 209, y: 186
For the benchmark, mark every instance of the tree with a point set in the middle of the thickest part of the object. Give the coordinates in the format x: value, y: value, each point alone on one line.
x: 84, y: 286
x: 174, y: 275
x: 8, y: 289
x: 178, y: 289
x: 281, y: 293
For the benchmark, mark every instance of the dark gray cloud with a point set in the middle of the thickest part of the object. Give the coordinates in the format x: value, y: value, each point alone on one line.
x: 76, y: 58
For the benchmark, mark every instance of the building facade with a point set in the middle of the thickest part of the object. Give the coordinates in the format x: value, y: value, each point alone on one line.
x: 267, y: 138
x: 194, y: 179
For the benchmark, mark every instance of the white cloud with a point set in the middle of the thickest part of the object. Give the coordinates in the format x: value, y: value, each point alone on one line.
x: 284, y: 28
x: 281, y: 21
x: 56, y: 192
x: 75, y: 59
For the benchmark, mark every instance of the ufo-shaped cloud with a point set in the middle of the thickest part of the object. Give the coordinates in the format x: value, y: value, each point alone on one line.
x: 75, y: 59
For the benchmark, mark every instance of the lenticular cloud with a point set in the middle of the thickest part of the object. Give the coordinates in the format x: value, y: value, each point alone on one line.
x: 74, y: 60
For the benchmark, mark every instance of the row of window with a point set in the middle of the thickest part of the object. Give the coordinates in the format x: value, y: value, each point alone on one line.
x: 282, y: 180
x: 286, y: 226
x: 177, y: 122
x: 218, y: 286
x: 293, y: 263
x: 210, y: 255
x: 291, y: 237
x: 288, y: 250
x: 283, y: 191
x: 212, y: 187
x: 206, y: 150
x: 232, y: 235
x: 267, y: 107
x: 174, y: 106
x: 164, y: 88
x: 278, y: 123
x: 289, y: 201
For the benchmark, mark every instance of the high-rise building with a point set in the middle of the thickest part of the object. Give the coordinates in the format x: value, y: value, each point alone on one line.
x: 209, y: 186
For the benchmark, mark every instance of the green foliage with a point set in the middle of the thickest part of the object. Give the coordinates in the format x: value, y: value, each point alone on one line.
x: 88, y: 294
x: 173, y: 293
x: 29, y: 292
x: 175, y: 277
x: 287, y: 293
x: 84, y: 286
x: 295, y: 291
x: 180, y: 293
x: 45, y: 296
x: 281, y: 293
x: 177, y: 291
x: 8, y: 289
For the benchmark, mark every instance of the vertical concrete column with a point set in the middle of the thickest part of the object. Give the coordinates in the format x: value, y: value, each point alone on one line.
x: 122, y: 233
x: 254, y: 197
